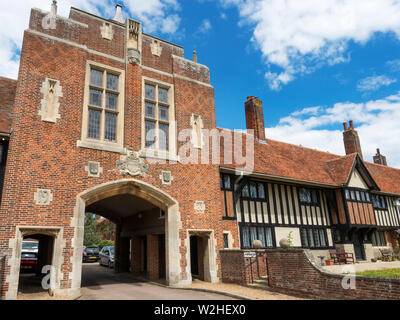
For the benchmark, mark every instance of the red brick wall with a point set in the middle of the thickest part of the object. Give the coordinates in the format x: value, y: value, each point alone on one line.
x: 291, y: 271
x: 8, y: 88
x: 235, y: 268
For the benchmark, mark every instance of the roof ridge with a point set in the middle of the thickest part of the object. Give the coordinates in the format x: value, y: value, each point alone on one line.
x: 289, y: 144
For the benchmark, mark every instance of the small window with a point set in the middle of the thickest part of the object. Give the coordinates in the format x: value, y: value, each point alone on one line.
x: 261, y: 191
x: 308, y: 196
x: 253, y: 190
x: 313, y: 238
x: 245, y: 191
x: 226, y: 182
x: 358, y: 197
x: 379, y: 202
x: 347, y: 194
x: 367, y: 196
x: 226, y: 241
x: 379, y: 239
x: 251, y: 233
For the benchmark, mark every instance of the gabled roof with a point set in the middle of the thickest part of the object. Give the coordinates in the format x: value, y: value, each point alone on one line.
x: 341, y: 168
x: 288, y: 161
x: 8, y: 88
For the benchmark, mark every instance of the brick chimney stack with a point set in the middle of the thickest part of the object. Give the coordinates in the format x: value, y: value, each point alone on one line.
x: 380, y: 159
x: 351, y: 140
x: 255, y: 117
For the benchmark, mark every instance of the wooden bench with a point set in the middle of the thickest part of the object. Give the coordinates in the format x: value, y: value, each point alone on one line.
x: 340, y: 256
x: 386, y: 254
x: 346, y: 257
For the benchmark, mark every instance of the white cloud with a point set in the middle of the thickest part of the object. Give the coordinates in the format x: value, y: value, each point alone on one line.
x: 299, y: 36
x: 156, y: 15
x: 394, y: 65
x: 376, y: 121
x: 374, y: 83
x: 205, y: 26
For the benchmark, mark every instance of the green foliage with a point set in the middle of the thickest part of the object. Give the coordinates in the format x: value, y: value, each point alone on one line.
x: 104, y: 243
x: 290, y: 239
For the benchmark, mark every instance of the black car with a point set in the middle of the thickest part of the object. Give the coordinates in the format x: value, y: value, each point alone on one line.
x: 90, y: 254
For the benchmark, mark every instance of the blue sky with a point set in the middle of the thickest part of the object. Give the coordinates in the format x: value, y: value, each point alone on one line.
x: 314, y: 64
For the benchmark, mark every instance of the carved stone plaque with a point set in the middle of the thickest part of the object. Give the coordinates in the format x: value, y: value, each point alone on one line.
x: 52, y: 92
x: 93, y: 169
x: 43, y: 197
x: 200, y: 206
x: 166, y: 177
x: 132, y: 164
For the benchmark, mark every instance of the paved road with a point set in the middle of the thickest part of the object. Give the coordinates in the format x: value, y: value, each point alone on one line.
x: 100, y: 283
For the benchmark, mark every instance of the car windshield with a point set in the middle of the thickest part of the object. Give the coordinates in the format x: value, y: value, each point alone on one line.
x: 30, y: 245
x: 92, y: 250
x: 112, y: 250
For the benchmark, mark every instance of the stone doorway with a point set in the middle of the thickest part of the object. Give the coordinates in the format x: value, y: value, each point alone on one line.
x: 201, y: 246
x: 44, y: 278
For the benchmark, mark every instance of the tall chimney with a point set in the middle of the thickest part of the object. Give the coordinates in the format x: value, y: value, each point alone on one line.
x: 255, y: 117
x: 379, y: 158
x: 118, y: 14
x: 351, y: 140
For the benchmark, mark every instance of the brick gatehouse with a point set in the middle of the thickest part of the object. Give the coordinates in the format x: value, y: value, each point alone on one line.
x: 94, y: 124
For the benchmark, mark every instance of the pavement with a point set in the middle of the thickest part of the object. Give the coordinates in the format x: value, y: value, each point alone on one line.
x: 358, y: 267
x: 101, y: 283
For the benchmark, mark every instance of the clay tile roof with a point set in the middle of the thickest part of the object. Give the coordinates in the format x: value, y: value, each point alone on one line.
x: 285, y: 160
x: 387, y: 178
x: 290, y: 161
x: 8, y: 88
x: 340, y: 169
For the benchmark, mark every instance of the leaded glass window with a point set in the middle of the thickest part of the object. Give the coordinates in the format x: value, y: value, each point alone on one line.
x: 103, y: 106
x: 157, y: 117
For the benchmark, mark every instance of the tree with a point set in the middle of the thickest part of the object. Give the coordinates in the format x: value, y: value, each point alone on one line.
x: 92, y: 234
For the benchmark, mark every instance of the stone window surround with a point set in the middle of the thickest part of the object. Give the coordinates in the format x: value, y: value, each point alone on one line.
x: 86, y: 142
x: 171, y: 154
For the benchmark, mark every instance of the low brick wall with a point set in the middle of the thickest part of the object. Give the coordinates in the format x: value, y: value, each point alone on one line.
x: 295, y: 272
x: 235, y: 268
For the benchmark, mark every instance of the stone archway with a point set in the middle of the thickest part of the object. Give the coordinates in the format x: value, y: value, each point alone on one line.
x: 142, y: 190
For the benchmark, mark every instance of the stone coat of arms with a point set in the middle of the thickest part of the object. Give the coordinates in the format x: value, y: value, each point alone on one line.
x: 132, y: 164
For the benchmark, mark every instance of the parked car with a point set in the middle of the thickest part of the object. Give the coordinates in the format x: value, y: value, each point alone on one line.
x: 30, y: 246
x: 90, y: 254
x: 29, y: 262
x: 107, y: 257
